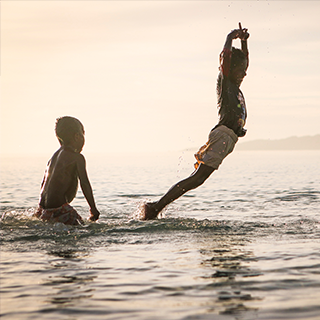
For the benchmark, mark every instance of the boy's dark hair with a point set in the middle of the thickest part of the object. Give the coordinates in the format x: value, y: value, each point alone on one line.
x: 237, y: 56
x: 66, y: 128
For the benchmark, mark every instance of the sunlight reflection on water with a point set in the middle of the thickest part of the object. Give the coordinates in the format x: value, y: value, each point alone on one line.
x: 243, y: 246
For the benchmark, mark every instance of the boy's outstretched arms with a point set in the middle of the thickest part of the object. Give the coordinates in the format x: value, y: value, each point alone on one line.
x: 225, y: 56
x: 86, y: 187
x: 240, y: 33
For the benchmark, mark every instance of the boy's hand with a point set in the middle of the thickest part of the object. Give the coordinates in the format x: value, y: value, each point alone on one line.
x: 243, y: 33
x: 94, y: 214
x: 234, y: 34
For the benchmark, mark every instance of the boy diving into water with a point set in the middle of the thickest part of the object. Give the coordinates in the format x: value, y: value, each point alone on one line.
x: 223, y: 137
x: 60, y: 182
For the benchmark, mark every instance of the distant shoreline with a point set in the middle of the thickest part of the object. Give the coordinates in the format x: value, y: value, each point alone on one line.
x: 291, y: 143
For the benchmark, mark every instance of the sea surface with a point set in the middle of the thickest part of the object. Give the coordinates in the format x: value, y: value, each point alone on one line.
x: 245, y: 245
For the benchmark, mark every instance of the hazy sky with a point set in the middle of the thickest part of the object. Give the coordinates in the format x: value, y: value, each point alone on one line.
x: 141, y: 75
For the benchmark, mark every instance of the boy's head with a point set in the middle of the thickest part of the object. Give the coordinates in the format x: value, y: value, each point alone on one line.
x: 67, y: 128
x: 238, y: 66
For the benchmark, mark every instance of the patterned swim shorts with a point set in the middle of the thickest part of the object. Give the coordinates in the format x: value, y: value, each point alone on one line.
x: 65, y: 214
x: 221, y: 143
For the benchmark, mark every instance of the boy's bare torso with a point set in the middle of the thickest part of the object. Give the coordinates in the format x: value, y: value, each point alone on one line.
x: 60, y: 182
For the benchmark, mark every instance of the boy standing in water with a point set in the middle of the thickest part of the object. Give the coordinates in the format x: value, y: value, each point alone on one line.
x: 232, y: 118
x: 60, y: 182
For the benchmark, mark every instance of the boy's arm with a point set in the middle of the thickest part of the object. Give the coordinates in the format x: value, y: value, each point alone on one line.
x: 234, y: 34
x: 225, y: 56
x: 244, y: 35
x: 86, y: 187
x: 244, y: 47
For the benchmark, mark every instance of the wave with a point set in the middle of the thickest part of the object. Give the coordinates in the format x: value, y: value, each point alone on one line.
x: 20, y: 225
x: 298, y: 195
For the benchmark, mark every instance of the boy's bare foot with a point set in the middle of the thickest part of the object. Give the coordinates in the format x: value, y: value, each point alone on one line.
x: 150, y: 212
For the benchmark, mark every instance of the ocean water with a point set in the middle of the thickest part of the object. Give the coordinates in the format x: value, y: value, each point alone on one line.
x: 245, y: 245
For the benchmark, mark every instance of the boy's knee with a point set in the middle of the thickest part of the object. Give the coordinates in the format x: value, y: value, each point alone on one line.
x: 201, y: 177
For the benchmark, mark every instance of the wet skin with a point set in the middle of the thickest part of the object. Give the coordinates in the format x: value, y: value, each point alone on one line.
x: 60, y: 182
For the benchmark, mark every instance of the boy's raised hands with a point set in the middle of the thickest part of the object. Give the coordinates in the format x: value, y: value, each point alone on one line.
x: 243, y: 33
x: 240, y: 33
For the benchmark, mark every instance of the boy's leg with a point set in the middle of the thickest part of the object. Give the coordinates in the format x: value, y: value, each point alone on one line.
x: 193, y: 181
